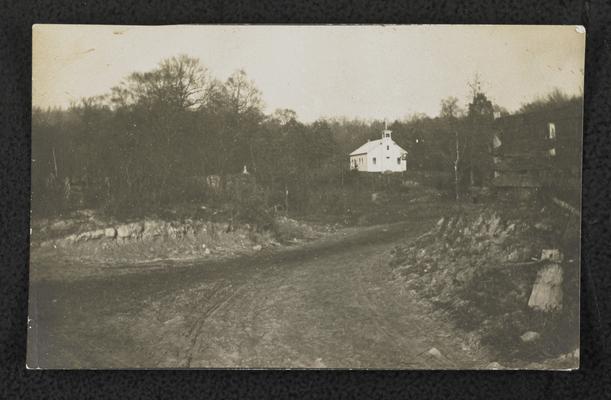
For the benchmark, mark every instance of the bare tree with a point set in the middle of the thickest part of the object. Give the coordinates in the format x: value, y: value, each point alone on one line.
x: 245, y: 103
x: 243, y: 95
x: 181, y: 81
x: 450, y: 111
x: 554, y: 99
x: 283, y: 116
x: 480, y: 113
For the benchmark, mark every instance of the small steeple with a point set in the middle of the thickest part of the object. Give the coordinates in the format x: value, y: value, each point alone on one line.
x: 386, y: 133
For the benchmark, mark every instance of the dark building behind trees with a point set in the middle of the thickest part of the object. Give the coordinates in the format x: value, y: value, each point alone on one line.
x: 540, y: 149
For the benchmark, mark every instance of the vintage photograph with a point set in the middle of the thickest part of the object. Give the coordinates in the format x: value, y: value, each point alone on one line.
x: 308, y: 196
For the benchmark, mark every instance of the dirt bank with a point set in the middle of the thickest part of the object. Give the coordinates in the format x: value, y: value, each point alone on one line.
x: 86, y: 244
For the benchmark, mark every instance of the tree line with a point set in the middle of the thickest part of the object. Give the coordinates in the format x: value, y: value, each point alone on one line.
x: 157, y: 137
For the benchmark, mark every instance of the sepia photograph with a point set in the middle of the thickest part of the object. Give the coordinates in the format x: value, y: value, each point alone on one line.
x: 306, y: 197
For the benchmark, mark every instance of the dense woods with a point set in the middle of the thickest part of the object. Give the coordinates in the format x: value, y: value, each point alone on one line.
x: 176, y: 135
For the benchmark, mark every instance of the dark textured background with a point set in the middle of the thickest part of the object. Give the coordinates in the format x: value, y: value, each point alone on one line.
x: 591, y: 381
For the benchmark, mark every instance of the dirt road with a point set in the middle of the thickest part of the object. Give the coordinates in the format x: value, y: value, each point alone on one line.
x: 329, y: 304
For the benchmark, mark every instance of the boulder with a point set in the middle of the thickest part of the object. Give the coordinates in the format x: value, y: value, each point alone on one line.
x: 318, y: 363
x: 523, y: 253
x: 110, y: 233
x: 440, y: 223
x: 97, y: 234
x: 177, y: 232
x: 551, y: 255
x: 133, y: 230
x: 67, y: 241
x: 514, y: 256
x: 546, y: 293
x: 501, y: 238
x: 60, y: 225
x: 530, y: 336
x: 510, y: 228
x: 494, y: 365
x: 86, y: 213
x: 207, y: 251
x: 153, y: 229
x: 257, y: 247
x: 435, y: 353
x: 91, y: 235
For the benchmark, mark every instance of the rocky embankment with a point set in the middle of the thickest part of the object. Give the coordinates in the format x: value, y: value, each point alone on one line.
x: 509, y: 279
x: 69, y: 245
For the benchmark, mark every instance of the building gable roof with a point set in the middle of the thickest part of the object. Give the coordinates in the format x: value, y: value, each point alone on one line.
x: 367, y: 147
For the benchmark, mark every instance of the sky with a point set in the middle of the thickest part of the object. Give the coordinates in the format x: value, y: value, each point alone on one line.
x: 367, y: 71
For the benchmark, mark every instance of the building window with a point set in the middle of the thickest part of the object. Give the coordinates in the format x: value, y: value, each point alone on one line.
x: 551, y: 129
x: 399, y: 160
x: 496, y: 141
x: 374, y: 160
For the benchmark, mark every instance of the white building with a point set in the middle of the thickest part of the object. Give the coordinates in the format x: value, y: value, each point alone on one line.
x: 383, y: 155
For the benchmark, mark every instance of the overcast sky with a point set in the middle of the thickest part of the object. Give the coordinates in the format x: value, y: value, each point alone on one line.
x: 353, y: 71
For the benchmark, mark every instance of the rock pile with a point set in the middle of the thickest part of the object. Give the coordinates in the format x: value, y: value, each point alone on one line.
x: 145, y: 230
x: 111, y: 242
x: 130, y: 231
x: 291, y: 230
x: 496, y: 276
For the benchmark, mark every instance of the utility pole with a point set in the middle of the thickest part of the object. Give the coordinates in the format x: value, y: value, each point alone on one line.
x: 456, y: 167
x: 54, y: 162
x: 286, y: 200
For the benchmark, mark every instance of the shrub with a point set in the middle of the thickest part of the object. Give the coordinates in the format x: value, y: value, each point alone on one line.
x: 247, y: 202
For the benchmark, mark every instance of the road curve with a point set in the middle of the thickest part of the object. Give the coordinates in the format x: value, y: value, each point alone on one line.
x: 324, y: 305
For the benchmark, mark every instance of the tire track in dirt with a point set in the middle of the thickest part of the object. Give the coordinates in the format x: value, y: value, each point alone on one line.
x: 322, y: 306
x: 393, y: 335
x: 308, y: 282
x: 195, y: 331
x: 249, y: 335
